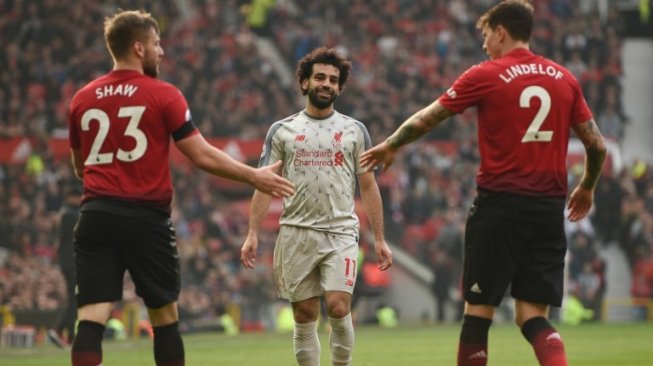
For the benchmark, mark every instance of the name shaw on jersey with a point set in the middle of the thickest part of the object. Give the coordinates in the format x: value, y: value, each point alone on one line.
x: 111, y: 90
x: 516, y: 71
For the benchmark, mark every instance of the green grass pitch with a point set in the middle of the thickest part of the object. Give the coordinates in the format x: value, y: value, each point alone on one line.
x: 587, y: 345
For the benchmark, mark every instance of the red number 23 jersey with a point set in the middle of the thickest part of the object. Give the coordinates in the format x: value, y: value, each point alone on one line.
x: 122, y: 123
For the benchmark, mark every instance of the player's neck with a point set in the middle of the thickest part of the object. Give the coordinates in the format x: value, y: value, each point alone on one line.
x: 127, y: 65
x: 515, y: 46
x: 312, y: 111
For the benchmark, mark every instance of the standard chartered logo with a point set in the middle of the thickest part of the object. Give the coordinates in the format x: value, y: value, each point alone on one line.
x: 323, y: 157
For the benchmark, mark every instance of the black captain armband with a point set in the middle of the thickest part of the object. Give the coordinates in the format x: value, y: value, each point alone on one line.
x: 186, y: 129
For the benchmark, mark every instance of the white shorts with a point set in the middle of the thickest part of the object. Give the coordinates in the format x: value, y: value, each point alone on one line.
x: 308, y: 262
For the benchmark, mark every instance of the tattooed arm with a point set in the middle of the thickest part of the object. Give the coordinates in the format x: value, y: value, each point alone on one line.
x: 581, y: 199
x: 413, y: 128
x: 595, y: 152
x: 419, y: 124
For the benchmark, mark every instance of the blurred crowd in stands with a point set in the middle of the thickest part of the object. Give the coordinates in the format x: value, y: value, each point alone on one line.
x: 405, y: 53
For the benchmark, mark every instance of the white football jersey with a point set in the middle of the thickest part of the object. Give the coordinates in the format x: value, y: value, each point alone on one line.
x: 321, y: 157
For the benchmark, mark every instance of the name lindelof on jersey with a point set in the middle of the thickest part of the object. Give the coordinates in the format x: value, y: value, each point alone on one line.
x: 518, y: 70
x: 112, y: 90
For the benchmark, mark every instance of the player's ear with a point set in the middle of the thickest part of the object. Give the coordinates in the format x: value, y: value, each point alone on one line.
x: 139, y: 49
x: 501, y: 32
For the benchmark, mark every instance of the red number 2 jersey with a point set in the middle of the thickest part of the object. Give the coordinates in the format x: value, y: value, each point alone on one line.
x: 526, y: 105
x: 122, y: 122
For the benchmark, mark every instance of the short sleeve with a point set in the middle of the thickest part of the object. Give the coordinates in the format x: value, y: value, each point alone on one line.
x: 363, y: 143
x: 272, y: 150
x: 581, y: 111
x: 466, y: 91
x: 175, y: 110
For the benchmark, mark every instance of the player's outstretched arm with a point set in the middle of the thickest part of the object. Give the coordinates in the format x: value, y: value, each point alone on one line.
x: 582, y: 197
x: 257, y: 212
x: 371, y: 198
x: 215, y: 161
x: 412, y: 129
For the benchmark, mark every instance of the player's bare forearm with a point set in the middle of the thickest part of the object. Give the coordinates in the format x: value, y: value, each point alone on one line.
x: 217, y: 162
x: 78, y: 165
x: 371, y: 198
x: 213, y: 160
x: 419, y: 124
x: 595, y: 152
x: 258, y: 210
x: 594, y: 159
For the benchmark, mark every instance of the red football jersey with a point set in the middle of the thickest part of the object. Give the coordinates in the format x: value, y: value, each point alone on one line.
x: 526, y: 105
x: 122, y: 122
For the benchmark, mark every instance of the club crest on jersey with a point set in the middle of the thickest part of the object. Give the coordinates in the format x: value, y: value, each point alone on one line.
x: 300, y: 138
x: 337, y: 140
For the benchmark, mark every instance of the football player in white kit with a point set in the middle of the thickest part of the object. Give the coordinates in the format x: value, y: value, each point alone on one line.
x: 317, y: 247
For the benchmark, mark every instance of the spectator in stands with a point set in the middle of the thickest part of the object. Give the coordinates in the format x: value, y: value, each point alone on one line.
x: 607, y: 199
x: 443, y: 282
x: 64, y: 331
x: 590, y: 285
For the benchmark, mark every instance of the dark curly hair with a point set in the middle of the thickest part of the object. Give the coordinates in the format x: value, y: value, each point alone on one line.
x: 323, y: 55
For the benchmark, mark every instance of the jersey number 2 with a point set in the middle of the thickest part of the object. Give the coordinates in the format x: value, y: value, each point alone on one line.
x: 135, y: 114
x: 533, y: 133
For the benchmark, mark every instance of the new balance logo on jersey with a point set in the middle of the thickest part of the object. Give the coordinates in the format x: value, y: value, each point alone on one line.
x: 300, y: 137
x: 452, y: 93
x: 475, y: 289
x: 478, y: 355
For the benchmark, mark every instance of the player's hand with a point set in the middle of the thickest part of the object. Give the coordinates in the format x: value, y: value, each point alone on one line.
x: 580, y: 203
x: 248, y: 252
x: 383, y: 255
x: 382, y: 154
x: 269, y: 181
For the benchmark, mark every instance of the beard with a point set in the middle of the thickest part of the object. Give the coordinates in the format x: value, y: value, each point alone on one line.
x: 150, y: 66
x: 151, y: 70
x: 320, y: 102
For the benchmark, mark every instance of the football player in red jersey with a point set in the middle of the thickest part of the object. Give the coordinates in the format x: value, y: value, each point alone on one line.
x: 120, y: 129
x: 514, y: 235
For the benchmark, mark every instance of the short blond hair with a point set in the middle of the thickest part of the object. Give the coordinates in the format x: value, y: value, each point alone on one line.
x: 126, y: 27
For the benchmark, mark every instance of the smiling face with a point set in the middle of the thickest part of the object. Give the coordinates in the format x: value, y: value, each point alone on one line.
x: 322, y: 86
